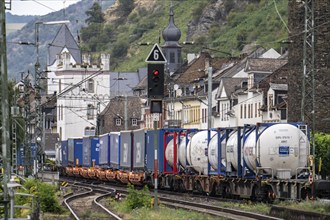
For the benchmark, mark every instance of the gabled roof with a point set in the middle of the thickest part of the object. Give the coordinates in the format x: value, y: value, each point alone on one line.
x: 195, y: 70
x: 241, y: 64
x: 264, y: 64
x: 63, y: 39
x: 229, y: 84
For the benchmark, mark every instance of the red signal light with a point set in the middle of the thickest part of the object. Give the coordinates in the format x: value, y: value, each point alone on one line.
x: 156, y: 72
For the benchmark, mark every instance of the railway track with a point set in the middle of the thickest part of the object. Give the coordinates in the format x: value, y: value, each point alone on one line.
x: 87, y: 199
x: 197, y: 203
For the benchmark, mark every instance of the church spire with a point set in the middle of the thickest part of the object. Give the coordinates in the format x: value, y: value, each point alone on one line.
x: 171, y: 33
x: 172, y: 48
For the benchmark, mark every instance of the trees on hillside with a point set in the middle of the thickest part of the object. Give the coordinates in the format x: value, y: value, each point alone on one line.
x: 95, y: 14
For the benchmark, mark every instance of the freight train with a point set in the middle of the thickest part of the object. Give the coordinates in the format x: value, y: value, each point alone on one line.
x: 262, y: 162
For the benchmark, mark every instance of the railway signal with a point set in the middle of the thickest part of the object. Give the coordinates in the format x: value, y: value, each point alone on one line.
x: 156, y: 81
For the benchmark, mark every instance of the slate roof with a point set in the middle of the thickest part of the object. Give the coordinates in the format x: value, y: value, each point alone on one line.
x: 128, y: 81
x: 241, y: 64
x: 264, y: 64
x: 64, y: 39
x: 195, y: 71
x: 230, y: 85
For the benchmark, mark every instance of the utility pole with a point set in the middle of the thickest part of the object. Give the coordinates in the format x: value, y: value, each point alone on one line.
x: 308, y: 87
x: 209, y: 97
x: 125, y: 112
x: 4, y: 108
x: 38, y: 108
x: 27, y: 117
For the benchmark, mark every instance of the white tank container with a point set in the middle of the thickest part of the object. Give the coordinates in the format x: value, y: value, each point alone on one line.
x: 169, y: 152
x: 182, y: 152
x: 196, y: 149
x: 280, y: 148
x: 231, y: 152
x: 213, y: 152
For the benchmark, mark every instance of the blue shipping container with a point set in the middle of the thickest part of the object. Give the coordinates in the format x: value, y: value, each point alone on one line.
x: 75, y: 151
x: 155, y: 137
x: 90, y: 151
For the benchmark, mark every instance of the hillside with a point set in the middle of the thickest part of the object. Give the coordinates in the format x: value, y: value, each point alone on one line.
x: 22, y: 58
x: 223, y: 26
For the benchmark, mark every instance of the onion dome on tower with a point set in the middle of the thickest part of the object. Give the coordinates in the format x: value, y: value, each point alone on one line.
x: 172, y: 48
x: 171, y: 33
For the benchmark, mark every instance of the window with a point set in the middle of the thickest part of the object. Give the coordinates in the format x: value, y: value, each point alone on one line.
x: 134, y: 122
x: 90, y: 112
x: 90, y: 86
x: 89, y: 131
x: 86, y: 133
x: 118, y: 121
x: 92, y: 131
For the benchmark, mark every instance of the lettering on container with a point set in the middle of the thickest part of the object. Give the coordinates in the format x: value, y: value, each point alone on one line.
x: 248, y: 151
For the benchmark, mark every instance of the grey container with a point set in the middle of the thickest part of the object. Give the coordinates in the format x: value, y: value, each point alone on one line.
x: 126, y: 150
x: 71, y: 151
x: 114, y: 149
x: 104, y: 149
x: 86, y: 151
x: 138, y: 148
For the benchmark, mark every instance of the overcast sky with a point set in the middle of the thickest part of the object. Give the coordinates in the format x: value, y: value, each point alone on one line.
x: 38, y: 7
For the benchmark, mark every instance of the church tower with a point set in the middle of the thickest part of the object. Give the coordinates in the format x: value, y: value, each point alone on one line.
x: 172, y: 48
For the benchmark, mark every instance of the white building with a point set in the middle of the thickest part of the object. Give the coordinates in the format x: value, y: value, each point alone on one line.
x: 82, y: 88
x: 240, y: 100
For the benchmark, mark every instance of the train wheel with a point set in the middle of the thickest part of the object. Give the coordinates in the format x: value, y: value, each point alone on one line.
x: 198, y: 187
x: 214, y: 190
x: 306, y: 194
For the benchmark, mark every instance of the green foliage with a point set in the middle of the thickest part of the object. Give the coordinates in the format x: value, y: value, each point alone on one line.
x: 197, y: 11
x: 322, y: 151
x: 245, y: 22
x: 120, y: 48
x: 95, y: 14
x: 137, y: 198
x: 126, y: 6
x: 46, y: 194
x: 315, y: 206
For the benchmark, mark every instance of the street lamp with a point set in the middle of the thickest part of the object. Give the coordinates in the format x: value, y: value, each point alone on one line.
x: 38, y: 89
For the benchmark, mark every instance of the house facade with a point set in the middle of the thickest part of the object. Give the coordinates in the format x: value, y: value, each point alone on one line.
x: 80, y: 85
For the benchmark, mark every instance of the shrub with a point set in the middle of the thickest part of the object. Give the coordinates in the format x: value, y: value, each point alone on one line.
x: 138, y: 198
x: 46, y: 194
